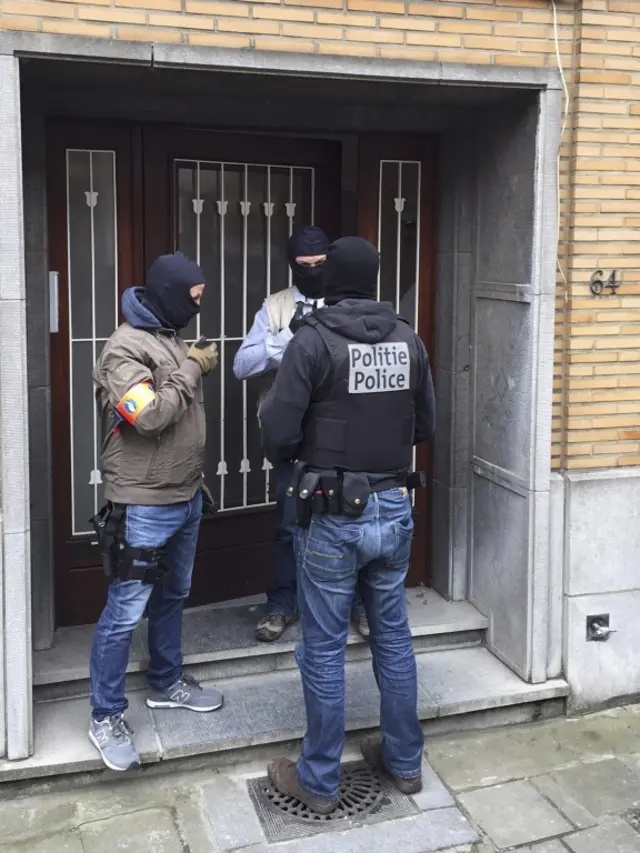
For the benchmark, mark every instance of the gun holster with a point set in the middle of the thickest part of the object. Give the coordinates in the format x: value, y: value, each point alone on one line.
x: 119, y: 559
x: 308, y: 501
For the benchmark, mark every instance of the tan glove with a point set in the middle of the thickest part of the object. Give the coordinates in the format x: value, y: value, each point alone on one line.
x: 206, y: 355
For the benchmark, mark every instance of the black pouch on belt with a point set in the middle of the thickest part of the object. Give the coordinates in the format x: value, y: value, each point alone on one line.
x: 355, y: 493
x: 330, y: 483
x: 306, y: 493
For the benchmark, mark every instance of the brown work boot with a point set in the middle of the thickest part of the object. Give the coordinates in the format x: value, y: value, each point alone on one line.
x: 284, y: 777
x: 361, y: 624
x: 272, y: 626
x: 371, y: 749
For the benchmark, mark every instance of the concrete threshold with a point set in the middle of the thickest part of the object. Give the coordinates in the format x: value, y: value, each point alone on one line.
x: 269, y: 709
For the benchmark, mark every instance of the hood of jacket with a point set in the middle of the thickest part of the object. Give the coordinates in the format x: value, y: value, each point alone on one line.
x: 360, y: 320
x: 135, y: 312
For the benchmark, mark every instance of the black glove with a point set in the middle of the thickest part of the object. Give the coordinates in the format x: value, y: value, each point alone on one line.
x: 296, y: 320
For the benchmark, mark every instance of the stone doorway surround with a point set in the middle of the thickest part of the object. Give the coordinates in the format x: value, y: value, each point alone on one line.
x: 486, y: 493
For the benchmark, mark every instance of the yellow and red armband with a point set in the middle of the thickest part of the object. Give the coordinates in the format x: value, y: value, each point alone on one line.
x: 135, y: 400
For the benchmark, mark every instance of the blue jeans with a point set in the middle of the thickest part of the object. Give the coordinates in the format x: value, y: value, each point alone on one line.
x: 334, y: 552
x: 174, y: 527
x: 283, y: 597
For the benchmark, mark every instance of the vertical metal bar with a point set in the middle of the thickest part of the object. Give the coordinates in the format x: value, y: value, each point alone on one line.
x: 398, y: 236
x: 197, y: 212
x: 313, y: 196
x: 69, y: 286
x: 266, y: 473
x: 93, y: 326
x: 419, y: 226
x: 269, y: 231
x: 222, y: 335
x: 382, y: 162
x: 245, y: 454
x: 290, y: 277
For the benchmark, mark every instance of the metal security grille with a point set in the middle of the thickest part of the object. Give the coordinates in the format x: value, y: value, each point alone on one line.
x: 365, y: 797
x: 399, y: 201
x: 235, y: 219
x: 92, y: 250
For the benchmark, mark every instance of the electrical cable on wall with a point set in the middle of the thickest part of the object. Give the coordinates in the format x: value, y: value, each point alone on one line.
x: 565, y: 118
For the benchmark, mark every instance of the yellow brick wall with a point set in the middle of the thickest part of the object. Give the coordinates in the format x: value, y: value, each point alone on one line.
x: 598, y: 374
x: 596, y: 419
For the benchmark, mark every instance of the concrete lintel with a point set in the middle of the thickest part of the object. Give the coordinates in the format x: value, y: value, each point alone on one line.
x: 274, y: 62
x: 302, y: 64
x: 54, y: 46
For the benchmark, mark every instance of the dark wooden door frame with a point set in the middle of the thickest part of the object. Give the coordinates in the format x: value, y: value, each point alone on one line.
x: 145, y: 229
x: 75, y: 559
x: 392, y: 146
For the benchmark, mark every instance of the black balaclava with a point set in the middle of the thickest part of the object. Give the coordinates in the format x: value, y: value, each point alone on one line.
x: 167, y: 291
x: 307, y: 242
x: 351, y: 270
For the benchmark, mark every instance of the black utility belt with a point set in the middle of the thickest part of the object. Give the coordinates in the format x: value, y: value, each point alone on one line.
x: 334, y: 492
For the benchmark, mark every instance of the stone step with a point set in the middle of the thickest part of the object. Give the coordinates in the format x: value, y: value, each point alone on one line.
x: 219, y: 642
x: 457, y: 688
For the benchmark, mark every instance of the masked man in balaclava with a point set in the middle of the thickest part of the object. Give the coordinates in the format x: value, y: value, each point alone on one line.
x: 260, y: 354
x: 352, y: 398
x: 149, y: 393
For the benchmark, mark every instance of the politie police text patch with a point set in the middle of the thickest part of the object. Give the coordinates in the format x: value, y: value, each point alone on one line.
x: 379, y: 367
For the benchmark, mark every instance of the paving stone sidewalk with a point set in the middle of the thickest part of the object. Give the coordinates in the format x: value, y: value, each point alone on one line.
x: 565, y: 786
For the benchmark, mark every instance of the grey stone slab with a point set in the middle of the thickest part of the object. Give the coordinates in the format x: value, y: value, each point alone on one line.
x: 430, y: 831
x: 62, y: 745
x: 489, y: 757
x: 598, y: 671
x: 564, y: 802
x: 596, y: 736
x: 450, y: 682
x: 22, y: 819
x: 615, y: 836
x: 152, y: 829
x: 67, y: 842
x: 602, y: 788
x: 232, y: 816
x: 434, y: 795
x: 547, y: 847
x: 596, y: 539
x: 193, y: 827
x: 513, y: 814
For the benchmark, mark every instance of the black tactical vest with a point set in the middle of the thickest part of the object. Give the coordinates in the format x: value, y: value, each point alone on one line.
x: 366, y: 421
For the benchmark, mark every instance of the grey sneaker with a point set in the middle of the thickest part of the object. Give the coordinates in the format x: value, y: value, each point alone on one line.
x: 272, y: 626
x: 187, y: 693
x: 112, y: 738
x: 361, y: 624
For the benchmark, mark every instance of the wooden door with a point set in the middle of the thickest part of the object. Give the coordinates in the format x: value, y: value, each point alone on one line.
x: 120, y: 195
x: 396, y: 204
x: 230, y: 201
x: 91, y: 215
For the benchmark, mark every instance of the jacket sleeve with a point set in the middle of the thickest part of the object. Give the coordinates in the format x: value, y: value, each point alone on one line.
x: 425, y: 399
x: 282, y: 413
x: 261, y: 350
x: 121, y: 368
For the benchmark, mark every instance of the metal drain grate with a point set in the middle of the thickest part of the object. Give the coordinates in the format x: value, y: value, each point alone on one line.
x: 365, y: 797
x: 634, y: 818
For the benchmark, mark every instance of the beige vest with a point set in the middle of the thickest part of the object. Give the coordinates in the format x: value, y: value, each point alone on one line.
x: 281, y: 307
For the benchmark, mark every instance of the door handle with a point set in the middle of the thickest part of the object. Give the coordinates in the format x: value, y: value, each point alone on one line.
x: 53, y: 302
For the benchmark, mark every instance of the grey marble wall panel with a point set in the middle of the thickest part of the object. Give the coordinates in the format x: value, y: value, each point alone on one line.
x: 502, y: 384
x: 499, y: 578
x: 506, y: 194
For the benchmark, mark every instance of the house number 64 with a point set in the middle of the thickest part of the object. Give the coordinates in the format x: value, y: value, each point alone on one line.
x: 597, y: 284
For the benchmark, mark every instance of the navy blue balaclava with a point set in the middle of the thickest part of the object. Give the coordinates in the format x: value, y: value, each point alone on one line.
x: 351, y: 270
x: 167, y: 289
x: 307, y: 242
